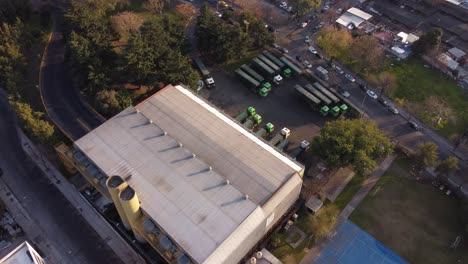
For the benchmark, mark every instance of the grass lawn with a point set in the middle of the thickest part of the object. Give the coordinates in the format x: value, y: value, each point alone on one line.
x: 416, y: 83
x: 415, y: 220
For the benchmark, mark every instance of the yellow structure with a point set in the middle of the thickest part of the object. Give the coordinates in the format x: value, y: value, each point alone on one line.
x: 131, y: 206
x: 69, y: 166
x: 115, y: 185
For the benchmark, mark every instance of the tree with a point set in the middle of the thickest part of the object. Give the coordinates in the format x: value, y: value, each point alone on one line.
x: 106, y: 102
x: 434, y: 110
x: 387, y: 82
x: 355, y: 142
x: 155, y: 6
x: 367, y: 55
x: 323, y: 222
x: 10, y: 10
x: 126, y: 23
x: 429, y: 43
x: 335, y: 42
x: 32, y: 122
x: 12, y: 60
x: 447, y: 165
x: 303, y: 6
x: 427, y: 155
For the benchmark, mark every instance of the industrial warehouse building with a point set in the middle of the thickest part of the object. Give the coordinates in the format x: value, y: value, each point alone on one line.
x: 188, y: 179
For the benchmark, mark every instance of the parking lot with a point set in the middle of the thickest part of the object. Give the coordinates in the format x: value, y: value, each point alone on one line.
x: 282, y: 106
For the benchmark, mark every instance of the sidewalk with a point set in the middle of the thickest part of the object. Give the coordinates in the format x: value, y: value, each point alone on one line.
x: 357, y: 199
x: 93, y: 217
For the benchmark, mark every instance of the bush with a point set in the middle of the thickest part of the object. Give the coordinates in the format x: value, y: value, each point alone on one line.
x: 33, y: 123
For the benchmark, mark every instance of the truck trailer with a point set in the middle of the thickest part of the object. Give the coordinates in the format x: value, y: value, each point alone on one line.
x: 285, y: 69
x: 207, y: 79
x: 268, y: 71
x: 265, y: 130
x: 254, y: 85
x: 250, y: 111
x: 253, y: 121
x: 256, y: 76
x: 283, y: 134
x: 291, y: 65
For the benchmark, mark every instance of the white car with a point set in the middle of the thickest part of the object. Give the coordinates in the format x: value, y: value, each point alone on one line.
x: 339, y: 10
x: 371, y: 94
x: 312, y: 50
x: 303, y: 24
x: 326, y: 7
x: 350, y: 78
x: 339, y: 70
x: 344, y: 93
x: 307, y: 64
x: 306, y: 40
x: 218, y: 14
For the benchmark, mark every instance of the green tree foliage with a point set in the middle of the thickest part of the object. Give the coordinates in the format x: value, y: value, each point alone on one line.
x: 447, y: 165
x: 429, y: 43
x: 33, y: 122
x: 304, y: 6
x: 110, y: 102
x: 90, y: 43
x: 427, y: 155
x: 355, y: 142
x: 323, y: 222
x: 335, y: 42
x: 154, y: 55
x: 10, y: 10
x: 224, y: 40
x: 12, y: 61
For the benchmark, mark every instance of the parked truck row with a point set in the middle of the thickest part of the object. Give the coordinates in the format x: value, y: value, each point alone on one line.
x: 321, y: 99
x: 264, y: 70
x: 251, y: 120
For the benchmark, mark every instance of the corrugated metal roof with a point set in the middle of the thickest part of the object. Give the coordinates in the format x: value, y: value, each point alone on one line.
x: 358, y: 12
x: 187, y: 194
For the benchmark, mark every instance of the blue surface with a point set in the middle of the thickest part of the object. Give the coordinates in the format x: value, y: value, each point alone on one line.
x: 353, y: 245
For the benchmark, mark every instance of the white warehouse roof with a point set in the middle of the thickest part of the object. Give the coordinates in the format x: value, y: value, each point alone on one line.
x: 353, y: 15
x: 198, y: 174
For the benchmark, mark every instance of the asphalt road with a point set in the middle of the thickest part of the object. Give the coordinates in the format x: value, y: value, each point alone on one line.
x: 61, y: 224
x: 61, y: 99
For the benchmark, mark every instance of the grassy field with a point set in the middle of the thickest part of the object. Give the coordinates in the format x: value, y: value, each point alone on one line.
x: 415, y: 220
x: 416, y: 83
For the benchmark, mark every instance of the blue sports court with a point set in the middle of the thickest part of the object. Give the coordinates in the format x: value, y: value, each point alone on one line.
x: 352, y: 245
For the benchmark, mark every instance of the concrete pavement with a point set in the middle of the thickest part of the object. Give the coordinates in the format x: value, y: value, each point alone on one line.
x: 368, y: 184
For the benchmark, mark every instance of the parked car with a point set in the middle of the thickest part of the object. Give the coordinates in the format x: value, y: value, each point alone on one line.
x: 339, y: 70
x: 303, y: 24
x: 307, y: 64
x: 414, y: 125
x: 350, y: 78
x: 344, y: 93
x: 326, y: 7
x: 284, y: 50
x: 339, y: 10
x: 383, y: 101
x: 276, y: 46
x: 393, y: 110
x: 312, y: 49
x: 307, y: 39
x: 371, y: 94
x: 218, y: 14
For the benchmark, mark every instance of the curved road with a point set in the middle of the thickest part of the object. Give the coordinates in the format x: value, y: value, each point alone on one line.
x: 61, y: 100
x: 60, y: 224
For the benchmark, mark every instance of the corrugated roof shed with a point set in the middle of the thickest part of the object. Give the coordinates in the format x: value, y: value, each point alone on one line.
x: 353, y: 15
x: 457, y: 53
x: 192, y: 167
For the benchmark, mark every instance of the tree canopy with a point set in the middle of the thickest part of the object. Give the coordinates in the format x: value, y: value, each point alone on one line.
x: 429, y: 43
x: 427, y: 155
x: 303, y: 7
x: 355, y: 142
x: 33, y: 122
x: 231, y: 37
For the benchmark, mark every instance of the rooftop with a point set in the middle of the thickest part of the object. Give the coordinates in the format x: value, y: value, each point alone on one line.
x: 197, y: 173
x: 353, y: 15
x: 20, y: 255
